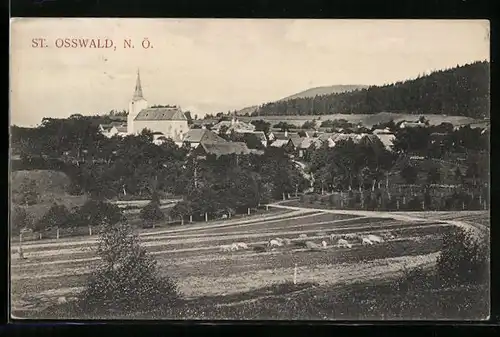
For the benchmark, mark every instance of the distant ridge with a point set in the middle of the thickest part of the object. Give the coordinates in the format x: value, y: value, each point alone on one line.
x: 325, y: 90
x: 311, y: 92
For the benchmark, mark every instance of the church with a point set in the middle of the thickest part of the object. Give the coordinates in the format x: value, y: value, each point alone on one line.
x: 169, y: 122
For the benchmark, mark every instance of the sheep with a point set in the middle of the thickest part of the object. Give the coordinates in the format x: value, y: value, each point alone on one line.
x: 333, y: 237
x: 375, y: 238
x: 242, y: 245
x: 280, y: 240
x: 320, y: 234
x: 324, y: 244
x: 61, y: 300
x: 342, y: 243
x: 234, y: 247
x: 367, y: 241
x: 225, y: 248
x: 287, y: 241
x: 302, y: 236
x: 351, y: 236
x: 273, y: 243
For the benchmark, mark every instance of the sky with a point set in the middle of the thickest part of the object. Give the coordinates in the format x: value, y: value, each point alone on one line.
x: 213, y: 65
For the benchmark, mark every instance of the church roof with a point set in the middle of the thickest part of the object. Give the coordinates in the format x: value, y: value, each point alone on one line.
x: 138, y: 89
x: 161, y: 114
x: 202, y: 135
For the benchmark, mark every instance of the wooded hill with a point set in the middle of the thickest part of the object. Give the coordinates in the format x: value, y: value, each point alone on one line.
x: 459, y: 91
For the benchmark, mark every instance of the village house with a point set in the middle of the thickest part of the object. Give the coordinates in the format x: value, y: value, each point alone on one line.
x: 234, y: 125
x: 196, y: 137
x: 386, y: 137
x: 113, y: 129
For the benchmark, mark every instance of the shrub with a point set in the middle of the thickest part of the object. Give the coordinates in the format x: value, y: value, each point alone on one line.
x: 463, y: 258
x: 127, y: 279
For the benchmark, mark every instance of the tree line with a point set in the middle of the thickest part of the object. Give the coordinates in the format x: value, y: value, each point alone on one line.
x: 461, y: 91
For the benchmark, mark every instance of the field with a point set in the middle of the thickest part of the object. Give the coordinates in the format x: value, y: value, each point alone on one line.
x: 367, y: 120
x: 192, y: 255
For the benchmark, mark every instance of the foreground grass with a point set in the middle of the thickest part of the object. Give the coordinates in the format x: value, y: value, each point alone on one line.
x: 416, y: 296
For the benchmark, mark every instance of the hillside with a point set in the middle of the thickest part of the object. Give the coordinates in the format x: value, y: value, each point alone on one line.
x: 460, y: 91
x: 325, y: 90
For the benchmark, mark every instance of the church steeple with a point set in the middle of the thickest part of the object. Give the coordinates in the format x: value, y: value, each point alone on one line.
x: 138, y: 88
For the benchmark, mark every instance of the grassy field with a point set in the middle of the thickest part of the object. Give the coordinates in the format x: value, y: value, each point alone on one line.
x: 206, y: 275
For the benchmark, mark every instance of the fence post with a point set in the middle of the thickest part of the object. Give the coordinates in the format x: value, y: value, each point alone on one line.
x: 182, y: 221
x: 397, y: 204
x: 463, y: 205
x: 423, y: 205
x: 20, y: 245
x: 57, y: 233
x: 206, y: 217
x: 90, y: 230
x: 404, y: 200
x: 295, y: 274
x: 248, y: 210
x: 284, y: 196
x: 190, y: 218
x: 40, y: 236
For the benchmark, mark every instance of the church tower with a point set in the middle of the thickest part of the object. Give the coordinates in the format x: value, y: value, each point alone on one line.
x: 137, y: 104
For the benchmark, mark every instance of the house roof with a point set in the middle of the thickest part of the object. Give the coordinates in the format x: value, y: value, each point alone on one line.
x: 220, y: 149
x: 116, y: 124
x: 202, y: 135
x: 296, y: 140
x: 259, y: 134
x: 279, y: 142
x: 281, y: 135
x: 325, y: 136
x: 121, y: 128
x: 161, y: 114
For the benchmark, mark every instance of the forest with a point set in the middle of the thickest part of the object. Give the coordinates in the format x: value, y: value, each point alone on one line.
x: 459, y: 91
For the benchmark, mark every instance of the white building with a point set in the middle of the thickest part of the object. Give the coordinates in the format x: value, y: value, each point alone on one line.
x: 170, y: 121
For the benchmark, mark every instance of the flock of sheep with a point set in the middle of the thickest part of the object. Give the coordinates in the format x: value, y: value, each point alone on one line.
x: 342, y: 241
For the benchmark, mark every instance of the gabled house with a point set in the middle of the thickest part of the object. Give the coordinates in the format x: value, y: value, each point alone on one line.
x: 196, y: 137
x: 233, y: 125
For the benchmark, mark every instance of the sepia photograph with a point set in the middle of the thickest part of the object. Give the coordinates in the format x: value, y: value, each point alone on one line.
x: 249, y: 169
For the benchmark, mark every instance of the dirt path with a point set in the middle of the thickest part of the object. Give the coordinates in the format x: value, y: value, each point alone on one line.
x: 410, y: 216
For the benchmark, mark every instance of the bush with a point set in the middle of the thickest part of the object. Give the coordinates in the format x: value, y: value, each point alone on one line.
x: 464, y: 258
x: 127, y: 279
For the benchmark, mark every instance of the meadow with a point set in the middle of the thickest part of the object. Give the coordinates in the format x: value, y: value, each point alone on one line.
x: 240, y: 282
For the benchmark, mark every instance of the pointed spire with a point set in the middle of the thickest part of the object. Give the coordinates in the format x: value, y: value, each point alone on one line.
x: 138, y: 88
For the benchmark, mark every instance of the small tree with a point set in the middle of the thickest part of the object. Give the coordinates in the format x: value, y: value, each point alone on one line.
x: 93, y: 213
x: 28, y: 192
x: 57, y: 216
x: 20, y: 219
x: 433, y: 176
x: 152, y: 212
x: 126, y: 279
